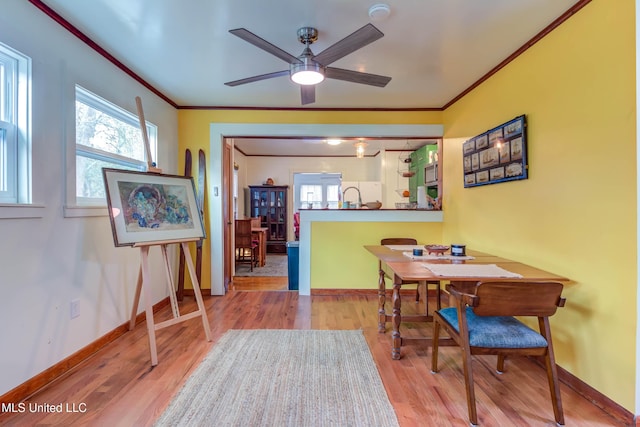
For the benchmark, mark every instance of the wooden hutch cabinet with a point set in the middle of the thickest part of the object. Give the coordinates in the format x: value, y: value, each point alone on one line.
x: 269, y: 202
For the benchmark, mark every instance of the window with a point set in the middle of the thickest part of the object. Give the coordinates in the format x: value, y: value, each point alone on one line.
x: 316, y: 190
x: 106, y: 136
x: 310, y: 196
x: 15, y: 130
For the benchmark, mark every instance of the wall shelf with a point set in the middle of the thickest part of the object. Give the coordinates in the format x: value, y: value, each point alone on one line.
x: 404, y: 171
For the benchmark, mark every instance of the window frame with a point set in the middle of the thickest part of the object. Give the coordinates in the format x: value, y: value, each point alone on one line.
x: 85, y: 206
x: 323, y: 179
x: 15, y: 122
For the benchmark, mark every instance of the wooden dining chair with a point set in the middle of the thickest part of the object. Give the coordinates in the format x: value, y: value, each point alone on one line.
x: 256, y: 222
x: 419, y: 284
x: 483, y: 322
x: 260, y: 239
x: 246, y: 247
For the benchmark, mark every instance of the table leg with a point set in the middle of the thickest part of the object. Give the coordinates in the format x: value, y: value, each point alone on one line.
x: 382, y: 299
x: 263, y: 248
x: 426, y: 299
x: 397, y: 318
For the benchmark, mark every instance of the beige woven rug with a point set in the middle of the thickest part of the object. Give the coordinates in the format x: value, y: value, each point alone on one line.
x: 284, y: 378
x: 276, y: 265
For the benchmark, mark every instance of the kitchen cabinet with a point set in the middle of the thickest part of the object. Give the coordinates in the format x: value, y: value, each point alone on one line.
x: 269, y: 203
x: 424, y: 163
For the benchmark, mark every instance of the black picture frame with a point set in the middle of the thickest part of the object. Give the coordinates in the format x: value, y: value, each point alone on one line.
x: 497, y: 155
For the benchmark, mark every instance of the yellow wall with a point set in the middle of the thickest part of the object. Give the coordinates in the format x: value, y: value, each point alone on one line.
x: 194, y: 129
x: 339, y: 260
x: 576, y: 214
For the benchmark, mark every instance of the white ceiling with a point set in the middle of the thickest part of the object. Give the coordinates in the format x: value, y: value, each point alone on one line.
x: 432, y: 49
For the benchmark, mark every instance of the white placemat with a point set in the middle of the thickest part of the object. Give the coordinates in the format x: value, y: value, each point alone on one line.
x: 427, y: 256
x: 470, y: 270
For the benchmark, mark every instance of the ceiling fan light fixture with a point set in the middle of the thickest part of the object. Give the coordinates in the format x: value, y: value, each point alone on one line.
x: 307, y: 69
x: 307, y: 73
x: 379, y: 12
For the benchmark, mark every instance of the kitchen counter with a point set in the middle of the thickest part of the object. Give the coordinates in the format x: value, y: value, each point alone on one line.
x: 369, y: 215
x: 366, y: 227
x: 373, y: 210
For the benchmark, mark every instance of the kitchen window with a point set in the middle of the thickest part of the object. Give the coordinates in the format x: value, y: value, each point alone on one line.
x: 316, y: 190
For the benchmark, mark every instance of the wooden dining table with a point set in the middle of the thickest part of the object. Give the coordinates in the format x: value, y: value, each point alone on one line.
x: 406, y: 268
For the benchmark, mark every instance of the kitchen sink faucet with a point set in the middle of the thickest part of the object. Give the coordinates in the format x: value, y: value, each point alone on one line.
x: 359, y: 197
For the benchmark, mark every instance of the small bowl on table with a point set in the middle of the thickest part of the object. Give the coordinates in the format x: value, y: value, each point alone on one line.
x: 436, y: 249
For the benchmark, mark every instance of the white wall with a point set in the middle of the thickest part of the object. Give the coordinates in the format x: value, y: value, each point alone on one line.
x: 394, y: 182
x: 48, y: 261
x: 383, y: 168
x: 281, y: 170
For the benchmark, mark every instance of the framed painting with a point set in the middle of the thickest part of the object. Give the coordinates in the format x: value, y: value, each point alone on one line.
x: 148, y: 207
x: 497, y: 155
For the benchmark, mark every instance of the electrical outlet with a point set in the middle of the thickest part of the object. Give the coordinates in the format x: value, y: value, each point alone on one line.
x: 75, y: 308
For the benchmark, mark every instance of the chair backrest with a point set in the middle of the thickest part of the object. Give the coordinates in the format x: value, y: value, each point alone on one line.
x: 540, y: 299
x: 398, y: 241
x: 243, y: 233
x: 255, y: 222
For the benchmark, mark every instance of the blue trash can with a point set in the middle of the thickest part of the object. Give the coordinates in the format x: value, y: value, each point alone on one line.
x: 293, y: 260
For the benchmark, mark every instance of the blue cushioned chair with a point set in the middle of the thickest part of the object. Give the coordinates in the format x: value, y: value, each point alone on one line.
x: 482, y: 322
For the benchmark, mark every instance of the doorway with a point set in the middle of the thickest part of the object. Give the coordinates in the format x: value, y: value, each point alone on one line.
x: 269, y: 231
x: 220, y: 131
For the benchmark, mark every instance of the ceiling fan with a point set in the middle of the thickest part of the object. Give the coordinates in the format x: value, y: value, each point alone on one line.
x: 308, y: 69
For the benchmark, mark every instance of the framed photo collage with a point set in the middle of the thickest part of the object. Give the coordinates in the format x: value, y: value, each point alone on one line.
x: 498, y: 155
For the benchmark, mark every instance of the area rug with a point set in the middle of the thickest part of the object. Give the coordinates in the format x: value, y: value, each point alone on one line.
x: 284, y: 378
x: 276, y: 265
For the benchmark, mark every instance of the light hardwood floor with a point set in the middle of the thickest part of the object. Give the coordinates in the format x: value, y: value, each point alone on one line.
x: 118, y: 387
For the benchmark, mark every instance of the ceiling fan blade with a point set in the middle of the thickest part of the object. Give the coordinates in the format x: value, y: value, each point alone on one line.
x: 351, y: 43
x: 248, y: 36
x: 258, y: 78
x: 356, y: 77
x: 308, y: 94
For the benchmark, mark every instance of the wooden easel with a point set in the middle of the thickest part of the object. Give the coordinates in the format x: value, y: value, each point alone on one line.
x: 151, y: 167
x: 144, y: 282
x: 144, y: 274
